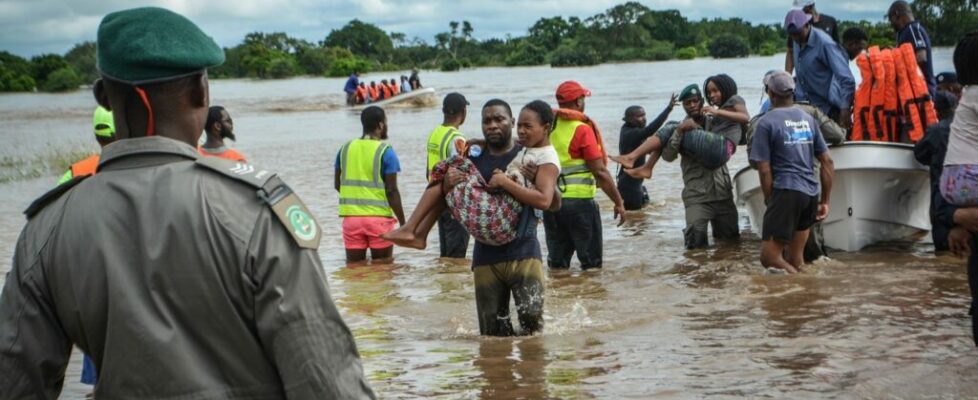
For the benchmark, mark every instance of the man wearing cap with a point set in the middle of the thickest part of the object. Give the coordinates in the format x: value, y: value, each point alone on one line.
x: 576, y: 227
x: 785, y: 144
x: 948, y: 82
x: 822, y: 69
x: 707, y: 191
x: 104, y: 134
x: 909, y: 30
x: 204, y: 280
x: 930, y: 151
x: 444, y: 142
x: 825, y: 22
x: 219, y: 127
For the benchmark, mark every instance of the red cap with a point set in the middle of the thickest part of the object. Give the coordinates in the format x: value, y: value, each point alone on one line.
x: 570, y: 91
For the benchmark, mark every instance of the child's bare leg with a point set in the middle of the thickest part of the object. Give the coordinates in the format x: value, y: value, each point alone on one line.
x: 431, y: 205
x: 652, y: 144
x: 645, y: 171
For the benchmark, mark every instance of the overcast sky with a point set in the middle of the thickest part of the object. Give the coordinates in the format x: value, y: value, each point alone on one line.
x: 31, y: 27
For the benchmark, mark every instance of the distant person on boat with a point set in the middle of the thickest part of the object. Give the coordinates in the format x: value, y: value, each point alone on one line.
x: 363, y: 95
x: 911, y: 31
x: 395, y: 88
x: 104, y: 134
x: 375, y: 93
x: 366, y: 179
x: 405, y: 85
x: 633, y: 133
x: 785, y: 144
x: 823, y: 74
x: 854, y: 41
x: 930, y: 151
x: 219, y: 127
x: 576, y: 227
x: 728, y: 116
x: 948, y: 82
x: 165, y: 255
x: 414, y: 80
x: 351, y: 88
x: 385, y: 89
x: 823, y: 22
x: 443, y: 143
x: 491, y: 211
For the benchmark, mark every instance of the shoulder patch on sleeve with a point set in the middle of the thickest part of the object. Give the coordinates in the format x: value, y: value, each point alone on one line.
x: 290, y: 210
x: 240, y: 171
x: 53, y: 194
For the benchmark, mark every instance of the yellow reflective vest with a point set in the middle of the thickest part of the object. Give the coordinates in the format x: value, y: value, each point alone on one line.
x: 576, y: 180
x: 439, y: 144
x: 362, y: 190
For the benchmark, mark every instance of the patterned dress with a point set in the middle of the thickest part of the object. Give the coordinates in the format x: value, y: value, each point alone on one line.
x: 490, y: 217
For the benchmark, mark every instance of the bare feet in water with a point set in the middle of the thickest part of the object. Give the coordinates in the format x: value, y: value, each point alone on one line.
x: 405, y: 238
x: 625, y: 161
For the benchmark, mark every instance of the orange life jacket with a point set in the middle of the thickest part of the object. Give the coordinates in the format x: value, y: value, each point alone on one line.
x: 87, y: 166
x: 361, y: 94
x: 915, y: 101
x: 373, y: 93
x: 891, y: 108
x: 386, y: 89
x: 394, y: 90
x: 877, y: 120
x: 862, y: 126
x: 229, y: 154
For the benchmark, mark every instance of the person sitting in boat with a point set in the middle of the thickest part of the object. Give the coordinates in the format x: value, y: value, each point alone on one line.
x: 363, y: 95
x: 786, y: 143
x: 395, y: 88
x: 727, y: 113
x: 405, y: 85
x: 384, y: 89
x: 374, y: 92
x: 930, y: 151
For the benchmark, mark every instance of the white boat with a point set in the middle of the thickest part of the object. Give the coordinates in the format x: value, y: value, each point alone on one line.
x: 880, y: 193
x: 420, y: 97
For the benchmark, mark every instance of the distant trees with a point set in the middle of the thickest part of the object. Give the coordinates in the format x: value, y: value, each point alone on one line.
x: 626, y: 32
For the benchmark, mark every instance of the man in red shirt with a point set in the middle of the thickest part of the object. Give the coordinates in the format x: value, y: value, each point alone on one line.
x: 576, y: 227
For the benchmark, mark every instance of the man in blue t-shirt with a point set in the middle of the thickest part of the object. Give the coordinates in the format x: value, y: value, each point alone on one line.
x: 515, y: 268
x: 351, y: 88
x: 911, y: 31
x: 785, y: 144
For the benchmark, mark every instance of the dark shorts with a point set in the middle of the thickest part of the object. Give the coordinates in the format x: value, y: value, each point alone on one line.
x: 788, y: 211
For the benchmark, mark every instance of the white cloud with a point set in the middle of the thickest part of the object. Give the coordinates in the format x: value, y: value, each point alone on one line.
x: 31, y: 27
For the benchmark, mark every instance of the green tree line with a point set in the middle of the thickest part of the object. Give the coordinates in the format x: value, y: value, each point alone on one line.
x: 626, y: 32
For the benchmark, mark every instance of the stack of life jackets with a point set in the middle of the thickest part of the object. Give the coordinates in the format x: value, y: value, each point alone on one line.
x: 892, y: 98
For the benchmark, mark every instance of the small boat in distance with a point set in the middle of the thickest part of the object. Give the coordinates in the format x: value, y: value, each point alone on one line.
x: 880, y: 193
x: 418, y: 98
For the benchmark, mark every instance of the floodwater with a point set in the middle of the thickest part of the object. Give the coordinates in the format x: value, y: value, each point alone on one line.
x: 657, y: 321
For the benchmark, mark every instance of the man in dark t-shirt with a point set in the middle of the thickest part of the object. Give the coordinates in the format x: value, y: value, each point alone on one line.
x: 515, y: 268
x: 633, y: 133
x: 911, y: 31
x: 825, y: 22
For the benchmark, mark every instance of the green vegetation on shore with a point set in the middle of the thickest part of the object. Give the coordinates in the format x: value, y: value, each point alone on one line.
x: 626, y: 32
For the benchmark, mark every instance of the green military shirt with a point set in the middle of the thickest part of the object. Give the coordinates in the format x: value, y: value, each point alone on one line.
x: 179, y: 280
x: 700, y: 184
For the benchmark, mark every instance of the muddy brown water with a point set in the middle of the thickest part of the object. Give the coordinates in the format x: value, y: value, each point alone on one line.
x: 657, y: 321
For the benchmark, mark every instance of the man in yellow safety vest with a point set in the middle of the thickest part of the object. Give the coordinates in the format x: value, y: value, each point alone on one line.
x: 366, y: 178
x: 444, y: 142
x: 576, y: 227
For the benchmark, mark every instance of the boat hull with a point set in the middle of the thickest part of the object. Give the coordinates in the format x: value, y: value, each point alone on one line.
x: 880, y: 193
x: 420, y: 97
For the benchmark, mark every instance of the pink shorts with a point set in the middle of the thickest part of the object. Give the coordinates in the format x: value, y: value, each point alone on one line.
x: 364, y: 232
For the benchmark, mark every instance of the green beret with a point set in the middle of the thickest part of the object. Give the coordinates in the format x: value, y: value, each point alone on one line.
x: 150, y: 44
x: 689, y: 92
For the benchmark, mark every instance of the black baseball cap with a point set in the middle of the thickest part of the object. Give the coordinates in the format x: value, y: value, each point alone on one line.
x: 454, y: 103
